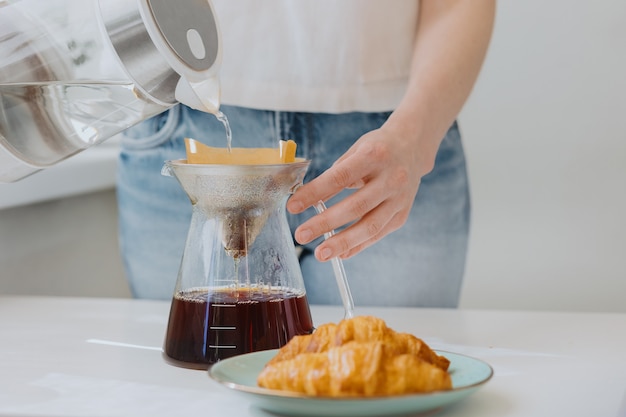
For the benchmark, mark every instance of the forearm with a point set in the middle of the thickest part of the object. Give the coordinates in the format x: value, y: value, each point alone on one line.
x: 450, y: 47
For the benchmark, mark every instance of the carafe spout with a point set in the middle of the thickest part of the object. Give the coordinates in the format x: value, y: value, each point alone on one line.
x: 199, y: 95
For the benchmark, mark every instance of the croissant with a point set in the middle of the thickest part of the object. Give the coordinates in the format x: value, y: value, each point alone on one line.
x: 358, y: 357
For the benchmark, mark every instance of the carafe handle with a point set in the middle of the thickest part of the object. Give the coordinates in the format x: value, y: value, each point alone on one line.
x: 166, y: 171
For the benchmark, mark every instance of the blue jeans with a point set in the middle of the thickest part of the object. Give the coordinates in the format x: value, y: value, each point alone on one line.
x: 421, y: 264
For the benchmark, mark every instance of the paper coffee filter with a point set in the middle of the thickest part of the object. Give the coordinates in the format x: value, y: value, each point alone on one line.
x: 199, y: 153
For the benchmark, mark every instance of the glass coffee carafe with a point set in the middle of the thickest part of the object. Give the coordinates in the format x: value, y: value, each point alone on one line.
x: 239, y: 287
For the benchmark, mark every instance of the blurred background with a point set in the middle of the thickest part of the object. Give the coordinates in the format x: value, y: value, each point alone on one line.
x: 545, y: 137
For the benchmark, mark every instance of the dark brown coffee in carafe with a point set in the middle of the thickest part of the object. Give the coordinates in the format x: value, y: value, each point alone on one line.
x: 207, y: 326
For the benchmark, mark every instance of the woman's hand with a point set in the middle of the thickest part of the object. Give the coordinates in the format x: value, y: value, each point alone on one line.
x: 386, y: 166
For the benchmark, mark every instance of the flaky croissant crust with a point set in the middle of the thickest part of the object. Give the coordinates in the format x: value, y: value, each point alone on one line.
x: 357, y: 357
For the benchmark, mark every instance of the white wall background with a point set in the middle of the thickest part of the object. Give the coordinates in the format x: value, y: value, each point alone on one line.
x: 546, y: 142
x: 545, y: 133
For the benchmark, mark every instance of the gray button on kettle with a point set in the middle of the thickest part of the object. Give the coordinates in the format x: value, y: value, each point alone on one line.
x: 196, y: 44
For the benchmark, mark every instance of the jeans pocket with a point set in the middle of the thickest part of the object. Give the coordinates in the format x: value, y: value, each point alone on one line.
x: 152, y: 132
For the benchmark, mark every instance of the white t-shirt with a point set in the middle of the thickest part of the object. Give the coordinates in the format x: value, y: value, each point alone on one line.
x: 327, y: 56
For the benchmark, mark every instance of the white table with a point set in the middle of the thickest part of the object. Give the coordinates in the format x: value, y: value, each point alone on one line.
x: 102, y: 357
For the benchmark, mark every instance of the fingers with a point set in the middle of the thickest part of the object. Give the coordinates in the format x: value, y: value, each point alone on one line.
x: 390, y: 227
x: 349, y: 210
x: 372, y: 227
x: 324, y: 187
x: 350, y: 171
x: 386, y: 184
x: 332, y: 219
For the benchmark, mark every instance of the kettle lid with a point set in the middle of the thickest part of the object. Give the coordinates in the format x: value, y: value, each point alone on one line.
x: 187, y: 35
x: 185, y: 32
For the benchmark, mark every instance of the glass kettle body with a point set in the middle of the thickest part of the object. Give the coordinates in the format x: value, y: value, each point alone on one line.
x: 76, y: 72
x: 239, y: 288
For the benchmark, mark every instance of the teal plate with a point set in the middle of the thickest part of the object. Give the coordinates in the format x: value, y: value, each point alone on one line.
x: 240, y: 373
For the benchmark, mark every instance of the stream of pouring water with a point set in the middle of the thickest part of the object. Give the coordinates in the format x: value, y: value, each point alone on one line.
x: 229, y: 134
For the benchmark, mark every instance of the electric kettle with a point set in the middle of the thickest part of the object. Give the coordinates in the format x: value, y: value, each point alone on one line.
x: 76, y: 72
